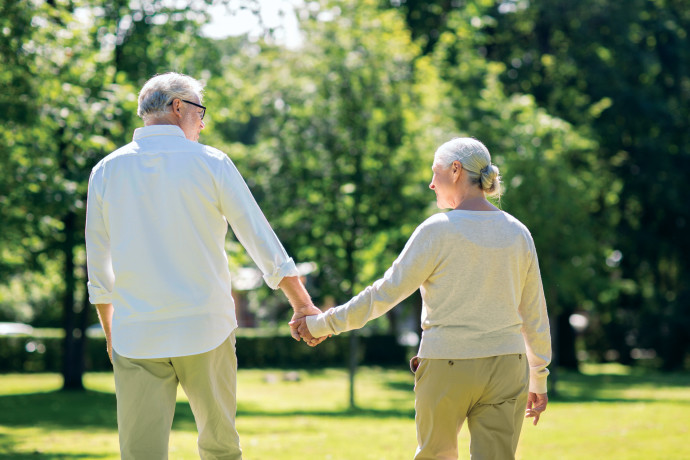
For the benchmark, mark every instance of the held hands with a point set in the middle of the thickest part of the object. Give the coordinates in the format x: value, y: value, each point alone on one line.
x: 299, y: 329
x: 536, y: 404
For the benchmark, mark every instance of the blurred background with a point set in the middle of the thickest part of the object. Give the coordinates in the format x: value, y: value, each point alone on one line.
x: 332, y: 111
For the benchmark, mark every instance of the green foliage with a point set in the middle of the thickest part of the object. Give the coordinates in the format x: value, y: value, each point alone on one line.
x: 584, y: 106
x: 335, y: 164
x: 618, y: 70
x: 43, y: 353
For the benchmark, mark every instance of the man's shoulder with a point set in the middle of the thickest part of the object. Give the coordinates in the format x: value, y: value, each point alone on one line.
x: 204, y: 151
x: 127, y: 149
x: 213, y: 153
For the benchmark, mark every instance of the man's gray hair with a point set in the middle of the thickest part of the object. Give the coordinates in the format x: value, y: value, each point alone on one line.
x: 475, y: 159
x: 160, y: 91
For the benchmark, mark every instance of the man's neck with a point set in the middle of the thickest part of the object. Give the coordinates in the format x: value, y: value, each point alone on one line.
x: 160, y: 121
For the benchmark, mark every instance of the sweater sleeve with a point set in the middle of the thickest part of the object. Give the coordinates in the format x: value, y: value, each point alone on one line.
x: 535, y: 326
x: 412, y: 267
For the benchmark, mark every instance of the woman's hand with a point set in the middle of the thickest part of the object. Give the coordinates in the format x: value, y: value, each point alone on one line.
x: 536, y: 404
x: 299, y: 327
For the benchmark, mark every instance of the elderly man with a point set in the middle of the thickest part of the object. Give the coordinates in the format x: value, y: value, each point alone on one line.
x: 157, y: 215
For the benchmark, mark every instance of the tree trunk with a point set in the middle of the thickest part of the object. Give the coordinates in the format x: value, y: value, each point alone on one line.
x: 72, y: 356
x: 567, y: 357
x: 352, y: 366
x: 354, y: 340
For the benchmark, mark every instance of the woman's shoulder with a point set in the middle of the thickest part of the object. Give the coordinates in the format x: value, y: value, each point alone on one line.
x: 473, y: 221
x: 515, y: 222
x: 436, y: 221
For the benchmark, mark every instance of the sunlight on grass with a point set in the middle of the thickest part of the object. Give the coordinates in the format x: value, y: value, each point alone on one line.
x: 612, y: 412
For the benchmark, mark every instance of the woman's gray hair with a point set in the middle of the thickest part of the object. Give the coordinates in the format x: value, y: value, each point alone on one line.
x: 475, y: 159
x: 160, y: 91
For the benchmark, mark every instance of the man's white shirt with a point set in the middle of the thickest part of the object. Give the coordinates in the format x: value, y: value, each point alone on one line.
x: 157, y: 215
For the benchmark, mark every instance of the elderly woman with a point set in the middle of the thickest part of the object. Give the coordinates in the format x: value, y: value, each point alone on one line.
x: 486, y: 341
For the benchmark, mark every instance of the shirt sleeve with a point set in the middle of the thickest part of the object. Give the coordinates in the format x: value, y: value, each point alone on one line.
x: 251, y: 227
x: 98, y: 256
x: 412, y: 267
x: 535, y: 326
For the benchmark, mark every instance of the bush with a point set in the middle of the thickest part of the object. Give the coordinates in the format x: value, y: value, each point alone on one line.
x: 44, y: 354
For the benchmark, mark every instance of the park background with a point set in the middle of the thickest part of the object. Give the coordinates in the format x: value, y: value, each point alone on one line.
x: 332, y: 110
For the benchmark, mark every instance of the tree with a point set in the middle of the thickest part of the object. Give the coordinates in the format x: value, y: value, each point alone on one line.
x: 620, y: 70
x: 554, y: 181
x: 335, y: 165
x: 75, y: 103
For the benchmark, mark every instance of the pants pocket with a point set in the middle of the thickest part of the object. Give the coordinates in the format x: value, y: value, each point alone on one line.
x: 414, y: 364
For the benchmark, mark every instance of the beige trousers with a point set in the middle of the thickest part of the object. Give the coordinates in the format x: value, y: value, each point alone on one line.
x: 491, y: 393
x: 146, y: 390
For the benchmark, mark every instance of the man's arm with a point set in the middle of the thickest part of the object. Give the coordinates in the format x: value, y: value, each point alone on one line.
x: 261, y: 243
x: 98, y: 257
x: 301, y: 303
x: 296, y: 293
x: 105, y: 316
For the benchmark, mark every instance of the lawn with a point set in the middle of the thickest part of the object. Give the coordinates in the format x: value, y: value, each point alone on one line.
x: 607, y: 412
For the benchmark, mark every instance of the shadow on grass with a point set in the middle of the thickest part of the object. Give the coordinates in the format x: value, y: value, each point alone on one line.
x: 59, y: 408
x: 97, y: 410
x: 574, y: 387
x: 10, y: 416
x: 248, y: 411
x: 70, y: 409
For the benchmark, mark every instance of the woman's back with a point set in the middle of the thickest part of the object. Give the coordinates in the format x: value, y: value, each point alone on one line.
x: 481, y: 261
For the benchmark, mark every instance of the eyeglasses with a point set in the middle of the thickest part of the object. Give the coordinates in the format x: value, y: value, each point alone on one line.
x: 203, y: 109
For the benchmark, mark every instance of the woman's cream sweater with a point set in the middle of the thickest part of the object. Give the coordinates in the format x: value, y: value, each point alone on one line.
x: 481, y: 290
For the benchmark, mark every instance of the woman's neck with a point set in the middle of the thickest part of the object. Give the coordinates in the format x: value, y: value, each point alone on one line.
x: 476, y: 203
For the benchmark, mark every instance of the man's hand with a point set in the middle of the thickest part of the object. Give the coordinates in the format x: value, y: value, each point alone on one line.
x: 536, y: 404
x: 299, y: 326
x: 301, y: 302
x: 105, y: 316
x: 299, y: 329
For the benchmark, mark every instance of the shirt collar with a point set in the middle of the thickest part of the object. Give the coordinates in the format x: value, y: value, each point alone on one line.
x: 158, y: 130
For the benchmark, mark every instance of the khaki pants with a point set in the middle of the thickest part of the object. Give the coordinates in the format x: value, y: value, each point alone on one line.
x: 146, y: 390
x: 491, y: 393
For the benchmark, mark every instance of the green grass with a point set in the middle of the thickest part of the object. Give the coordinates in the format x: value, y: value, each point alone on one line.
x: 607, y: 412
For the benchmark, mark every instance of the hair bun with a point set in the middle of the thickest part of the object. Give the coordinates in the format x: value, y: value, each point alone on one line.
x: 489, y: 179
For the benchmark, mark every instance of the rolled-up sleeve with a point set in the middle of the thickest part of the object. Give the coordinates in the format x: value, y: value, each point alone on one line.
x: 251, y: 227
x: 98, y: 256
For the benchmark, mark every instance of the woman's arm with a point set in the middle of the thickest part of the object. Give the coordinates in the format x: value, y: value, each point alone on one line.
x: 535, y: 327
x: 413, y: 266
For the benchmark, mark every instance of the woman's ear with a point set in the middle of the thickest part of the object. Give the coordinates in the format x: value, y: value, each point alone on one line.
x: 457, y: 168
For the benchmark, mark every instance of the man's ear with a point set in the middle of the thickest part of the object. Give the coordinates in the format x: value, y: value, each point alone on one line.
x: 176, y: 108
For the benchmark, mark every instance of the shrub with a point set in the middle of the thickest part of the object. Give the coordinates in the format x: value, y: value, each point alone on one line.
x: 44, y: 354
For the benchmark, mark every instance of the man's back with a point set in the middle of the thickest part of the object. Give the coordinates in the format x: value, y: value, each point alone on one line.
x: 166, y: 229
x: 156, y: 219
x: 160, y: 208
x: 156, y: 226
